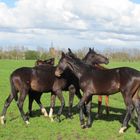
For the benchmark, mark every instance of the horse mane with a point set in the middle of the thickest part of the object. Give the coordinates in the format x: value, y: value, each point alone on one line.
x: 78, y: 61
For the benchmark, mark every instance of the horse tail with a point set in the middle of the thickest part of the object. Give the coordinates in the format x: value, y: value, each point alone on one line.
x: 13, y: 89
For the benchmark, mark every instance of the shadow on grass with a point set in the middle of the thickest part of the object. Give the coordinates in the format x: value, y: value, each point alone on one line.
x: 115, y: 113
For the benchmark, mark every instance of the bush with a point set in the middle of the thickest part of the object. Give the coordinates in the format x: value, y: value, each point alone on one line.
x: 31, y: 55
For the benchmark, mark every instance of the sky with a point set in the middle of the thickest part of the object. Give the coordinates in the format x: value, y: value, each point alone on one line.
x: 70, y: 23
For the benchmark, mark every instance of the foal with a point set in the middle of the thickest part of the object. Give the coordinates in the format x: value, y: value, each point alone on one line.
x: 28, y: 80
x: 67, y: 82
x: 94, y: 81
x: 94, y: 59
x: 71, y: 82
x: 49, y: 61
x: 34, y: 95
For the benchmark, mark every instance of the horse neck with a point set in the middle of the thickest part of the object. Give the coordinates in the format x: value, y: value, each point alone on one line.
x: 87, y: 62
x: 79, y: 69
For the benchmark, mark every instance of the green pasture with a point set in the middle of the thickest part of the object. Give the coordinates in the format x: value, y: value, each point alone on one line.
x: 41, y: 128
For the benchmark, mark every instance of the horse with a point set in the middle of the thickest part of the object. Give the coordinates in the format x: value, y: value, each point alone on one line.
x: 67, y: 82
x: 94, y: 81
x: 48, y: 61
x: 34, y: 81
x: 97, y: 58
x: 92, y: 58
x: 26, y: 79
x: 34, y: 95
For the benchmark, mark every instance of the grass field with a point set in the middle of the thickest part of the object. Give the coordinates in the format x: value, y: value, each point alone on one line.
x: 41, y: 128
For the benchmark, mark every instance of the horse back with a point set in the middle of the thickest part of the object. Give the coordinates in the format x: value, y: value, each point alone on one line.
x: 110, y: 80
x: 100, y: 82
x: 42, y: 78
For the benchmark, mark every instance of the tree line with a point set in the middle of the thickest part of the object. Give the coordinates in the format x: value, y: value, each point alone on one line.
x: 42, y: 53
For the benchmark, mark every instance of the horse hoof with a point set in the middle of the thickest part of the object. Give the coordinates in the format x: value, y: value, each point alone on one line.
x: 121, y: 131
x: 45, y: 115
x: 44, y: 112
x: 88, y: 126
x: 2, y: 119
x: 27, y: 122
x: 138, y: 131
x: 107, y: 113
x: 83, y: 126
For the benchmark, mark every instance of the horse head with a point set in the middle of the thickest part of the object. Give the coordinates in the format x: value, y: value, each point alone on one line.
x: 64, y: 63
x: 93, y: 58
x: 42, y: 62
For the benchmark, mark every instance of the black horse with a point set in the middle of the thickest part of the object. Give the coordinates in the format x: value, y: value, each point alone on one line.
x: 50, y: 61
x: 67, y: 78
x: 94, y: 59
x: 35, y: 95
x: 38, y: 80
x: 27, y: 80
x: 94, y: 81
x: 67, y: 82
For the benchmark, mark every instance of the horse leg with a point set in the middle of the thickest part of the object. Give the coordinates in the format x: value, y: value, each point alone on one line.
x: 78, y: 94
x: 53, y: 97
x: 99, y: 106
x: 88, y: 108
x: 137, y: 107
x: 129, y: 110
x: 6, y: 105
x: 31, y: 99
x: 72, y: 91
x: 42, y: 108
x: 81, y: 106
x: 20, y: 105
x: 107, y: 104
x: 61, y: 98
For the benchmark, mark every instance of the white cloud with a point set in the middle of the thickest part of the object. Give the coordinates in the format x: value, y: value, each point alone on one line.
x: 72, y: 23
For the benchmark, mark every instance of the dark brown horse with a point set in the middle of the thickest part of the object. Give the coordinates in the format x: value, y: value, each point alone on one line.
x: 24, y: 80
x: 67, y: 82
x: 73, y: 88
x: 34, y: 95
x: 48, y: 61
x: 94, y: 59
x: 35, y: 81
x: 94, y: 81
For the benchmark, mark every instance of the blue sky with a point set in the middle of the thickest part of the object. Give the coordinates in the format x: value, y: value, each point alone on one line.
x: 10, y: 3
x: 136, y: 1
x: 70, y: 23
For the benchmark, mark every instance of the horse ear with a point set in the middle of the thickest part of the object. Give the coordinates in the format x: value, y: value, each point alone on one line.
x: 89, y: 49
x: 69, y: 50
